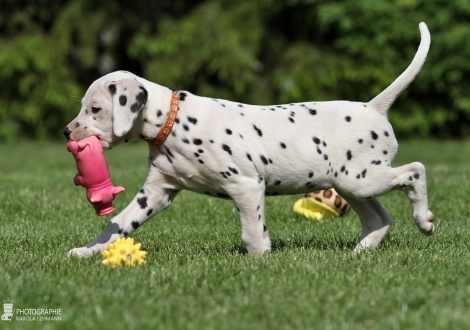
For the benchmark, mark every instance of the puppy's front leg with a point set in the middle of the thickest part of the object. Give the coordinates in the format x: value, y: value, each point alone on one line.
x: 153, y: 198
x: 249, y: 199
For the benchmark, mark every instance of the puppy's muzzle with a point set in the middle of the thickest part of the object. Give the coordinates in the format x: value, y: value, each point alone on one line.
x: 67, y: 132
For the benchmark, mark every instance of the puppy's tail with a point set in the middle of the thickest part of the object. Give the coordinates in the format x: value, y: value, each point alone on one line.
x: 384, y: 100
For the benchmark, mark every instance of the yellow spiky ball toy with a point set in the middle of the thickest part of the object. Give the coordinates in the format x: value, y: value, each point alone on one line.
x: 124, y: 252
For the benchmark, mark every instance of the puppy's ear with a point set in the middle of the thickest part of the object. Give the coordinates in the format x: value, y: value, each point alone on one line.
x: 129, y: 97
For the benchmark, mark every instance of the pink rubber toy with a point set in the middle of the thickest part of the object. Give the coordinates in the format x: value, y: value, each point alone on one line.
x: 93, y: 174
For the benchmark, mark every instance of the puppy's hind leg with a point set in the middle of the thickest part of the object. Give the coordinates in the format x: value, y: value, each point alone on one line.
x: 411, y: 179
x: 375, y: 221
x: 248, y: 196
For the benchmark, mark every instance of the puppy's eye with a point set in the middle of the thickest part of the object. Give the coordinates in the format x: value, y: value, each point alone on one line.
x: 95, y: 109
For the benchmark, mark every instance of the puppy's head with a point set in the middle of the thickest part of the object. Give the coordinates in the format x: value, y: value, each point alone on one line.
x: 109, y: 109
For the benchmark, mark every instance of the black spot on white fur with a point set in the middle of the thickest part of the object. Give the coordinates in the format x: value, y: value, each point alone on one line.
x: 182, y: 96
x: 142, y: 201
x: 227, y: 149
x: 233, y: 170
x: 260, y: 133
x: 135, y: 107
x: 122, y: 100
x: 142, y: 96
x: 112, y: 89
x: 168, y: 151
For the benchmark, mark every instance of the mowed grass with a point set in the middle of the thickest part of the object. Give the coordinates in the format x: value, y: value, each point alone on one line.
x: 198, y: 275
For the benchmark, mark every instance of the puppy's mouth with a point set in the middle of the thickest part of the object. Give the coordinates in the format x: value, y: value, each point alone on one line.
x: 105, y: 144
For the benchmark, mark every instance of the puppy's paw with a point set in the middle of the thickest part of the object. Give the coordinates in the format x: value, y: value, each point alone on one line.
x: 82, y: 252
x: 365, y: 245
x: 429, y: 227
x: 259, y: 250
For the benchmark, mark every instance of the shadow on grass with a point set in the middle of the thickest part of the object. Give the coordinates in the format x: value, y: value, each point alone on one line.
x: 239, y: 249
x: 279, y: 245
x: 311, y: 243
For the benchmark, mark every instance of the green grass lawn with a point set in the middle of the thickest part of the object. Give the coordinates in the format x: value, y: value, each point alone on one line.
x: 197, y: 274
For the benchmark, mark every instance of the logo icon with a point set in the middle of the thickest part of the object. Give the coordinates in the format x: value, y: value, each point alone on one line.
x: 7, y: 310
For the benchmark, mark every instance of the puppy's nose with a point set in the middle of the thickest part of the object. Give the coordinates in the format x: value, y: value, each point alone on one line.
x: 67, y: 132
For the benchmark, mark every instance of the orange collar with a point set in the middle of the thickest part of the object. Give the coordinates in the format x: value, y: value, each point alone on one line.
x: 166, y: 129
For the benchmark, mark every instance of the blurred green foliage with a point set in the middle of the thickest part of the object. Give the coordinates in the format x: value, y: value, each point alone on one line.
x: 260, y: 52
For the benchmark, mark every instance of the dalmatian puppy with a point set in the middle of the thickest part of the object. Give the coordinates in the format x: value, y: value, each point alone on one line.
x: 245, y: 152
